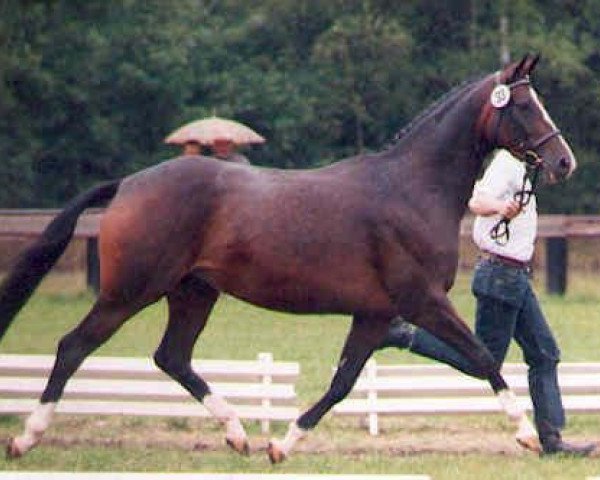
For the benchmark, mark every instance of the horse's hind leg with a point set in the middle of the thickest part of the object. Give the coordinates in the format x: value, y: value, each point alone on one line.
x: 365, y: 335
x: 190, y: 305
x: 99, y: 324
x: 443, y: 322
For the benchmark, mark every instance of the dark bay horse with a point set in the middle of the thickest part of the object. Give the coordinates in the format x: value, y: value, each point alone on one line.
x: 373, y: 236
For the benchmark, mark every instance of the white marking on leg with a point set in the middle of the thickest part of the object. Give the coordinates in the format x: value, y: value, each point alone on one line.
x: 221, y: 410
x: 509, y: 404
x: 35, y: 426
x: 527, y: 436
x: 293, y: 434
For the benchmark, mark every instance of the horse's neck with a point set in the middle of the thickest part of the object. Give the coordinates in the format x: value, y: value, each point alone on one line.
x: 443, y: 156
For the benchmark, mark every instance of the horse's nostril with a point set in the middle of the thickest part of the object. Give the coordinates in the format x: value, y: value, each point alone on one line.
x: 564, y: 164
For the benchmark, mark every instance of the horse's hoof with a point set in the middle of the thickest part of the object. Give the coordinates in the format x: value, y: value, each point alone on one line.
x: 239, y: 445
x: 276, y: 455
x: 529, y: 443
x: 12, y: 451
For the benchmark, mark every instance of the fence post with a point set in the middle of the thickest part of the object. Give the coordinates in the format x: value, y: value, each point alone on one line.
x: 266, y: 360
x: 372, y: 397
x: 556, y: 265
x: 93, y: 264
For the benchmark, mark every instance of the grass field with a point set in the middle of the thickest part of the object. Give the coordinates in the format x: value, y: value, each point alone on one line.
x: 475, y: 447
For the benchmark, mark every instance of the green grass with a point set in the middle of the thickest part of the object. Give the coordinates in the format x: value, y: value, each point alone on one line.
x: 237, y: 330
x: 464, y: 467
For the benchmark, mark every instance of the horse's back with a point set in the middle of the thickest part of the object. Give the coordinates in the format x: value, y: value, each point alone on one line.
x: 249, y: 231
x: 304, y: 240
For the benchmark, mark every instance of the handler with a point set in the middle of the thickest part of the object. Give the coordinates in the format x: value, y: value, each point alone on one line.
x: 506, y: 303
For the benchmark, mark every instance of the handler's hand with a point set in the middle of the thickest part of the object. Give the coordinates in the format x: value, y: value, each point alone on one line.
x: 509, y: 209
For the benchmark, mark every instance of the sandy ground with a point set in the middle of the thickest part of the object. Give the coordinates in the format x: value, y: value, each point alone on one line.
x: 416, y: 436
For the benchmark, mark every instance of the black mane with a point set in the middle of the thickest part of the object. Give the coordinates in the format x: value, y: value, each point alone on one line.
x: 435, y: 107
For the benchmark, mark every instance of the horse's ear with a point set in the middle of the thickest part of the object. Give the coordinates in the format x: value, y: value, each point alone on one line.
x: 533, y: 61
x: 518, y: 70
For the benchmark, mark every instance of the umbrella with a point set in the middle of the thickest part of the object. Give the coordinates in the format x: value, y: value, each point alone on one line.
x: 209, y: 130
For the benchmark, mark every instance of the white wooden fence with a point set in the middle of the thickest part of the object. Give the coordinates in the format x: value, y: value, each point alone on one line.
x: 439, y: 389
x: 259, y: 389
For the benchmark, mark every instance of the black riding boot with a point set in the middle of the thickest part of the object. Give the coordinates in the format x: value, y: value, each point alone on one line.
x: 552, y: 443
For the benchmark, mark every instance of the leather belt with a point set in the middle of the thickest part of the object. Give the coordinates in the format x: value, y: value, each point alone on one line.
x: 509, y: 262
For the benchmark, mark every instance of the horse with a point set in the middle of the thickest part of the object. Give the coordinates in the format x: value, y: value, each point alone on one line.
x: 374, y: 236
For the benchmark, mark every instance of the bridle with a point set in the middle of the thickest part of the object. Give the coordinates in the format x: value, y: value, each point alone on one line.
x: 527, y: 153
x: 524, y: 152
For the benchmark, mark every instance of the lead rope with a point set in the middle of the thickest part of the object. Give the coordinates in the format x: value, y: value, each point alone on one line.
x: 500, y: 232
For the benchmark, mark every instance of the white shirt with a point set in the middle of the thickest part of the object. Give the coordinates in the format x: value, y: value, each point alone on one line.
x: 502, y: 179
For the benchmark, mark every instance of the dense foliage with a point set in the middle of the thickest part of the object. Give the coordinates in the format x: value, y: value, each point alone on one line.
x: 89, y: 88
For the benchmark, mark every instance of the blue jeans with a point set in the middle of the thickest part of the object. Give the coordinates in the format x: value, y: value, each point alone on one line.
x: 508, y: 308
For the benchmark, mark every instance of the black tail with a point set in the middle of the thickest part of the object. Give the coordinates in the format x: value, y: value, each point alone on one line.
x: 35, y: 262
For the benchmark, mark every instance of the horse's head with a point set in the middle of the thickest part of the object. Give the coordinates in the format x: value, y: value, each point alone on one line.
x: 514, y: 118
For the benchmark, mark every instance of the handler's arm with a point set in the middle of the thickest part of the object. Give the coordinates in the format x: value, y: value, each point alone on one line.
x: 483, y: 204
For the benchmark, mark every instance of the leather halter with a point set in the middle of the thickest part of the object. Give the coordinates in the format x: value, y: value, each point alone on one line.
x: 526, y: 153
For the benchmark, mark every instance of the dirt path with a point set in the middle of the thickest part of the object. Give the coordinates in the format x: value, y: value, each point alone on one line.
x: 416, y: 437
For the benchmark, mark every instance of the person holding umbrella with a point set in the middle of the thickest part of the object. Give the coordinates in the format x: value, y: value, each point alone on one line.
x: 192, y: 148
x: 225, y: 150
x: 220, y: 135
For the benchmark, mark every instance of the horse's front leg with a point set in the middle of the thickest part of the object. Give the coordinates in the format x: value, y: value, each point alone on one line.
x: 365, y: 335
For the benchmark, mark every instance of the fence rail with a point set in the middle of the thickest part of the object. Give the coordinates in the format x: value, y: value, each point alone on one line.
x: 260, y: 389
x: 550, y: 226
x: 438, y: 389
x: 554, y: 229
x: 31, y: 222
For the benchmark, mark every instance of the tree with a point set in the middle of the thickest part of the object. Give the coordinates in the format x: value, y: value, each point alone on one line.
x: 89, y: 89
